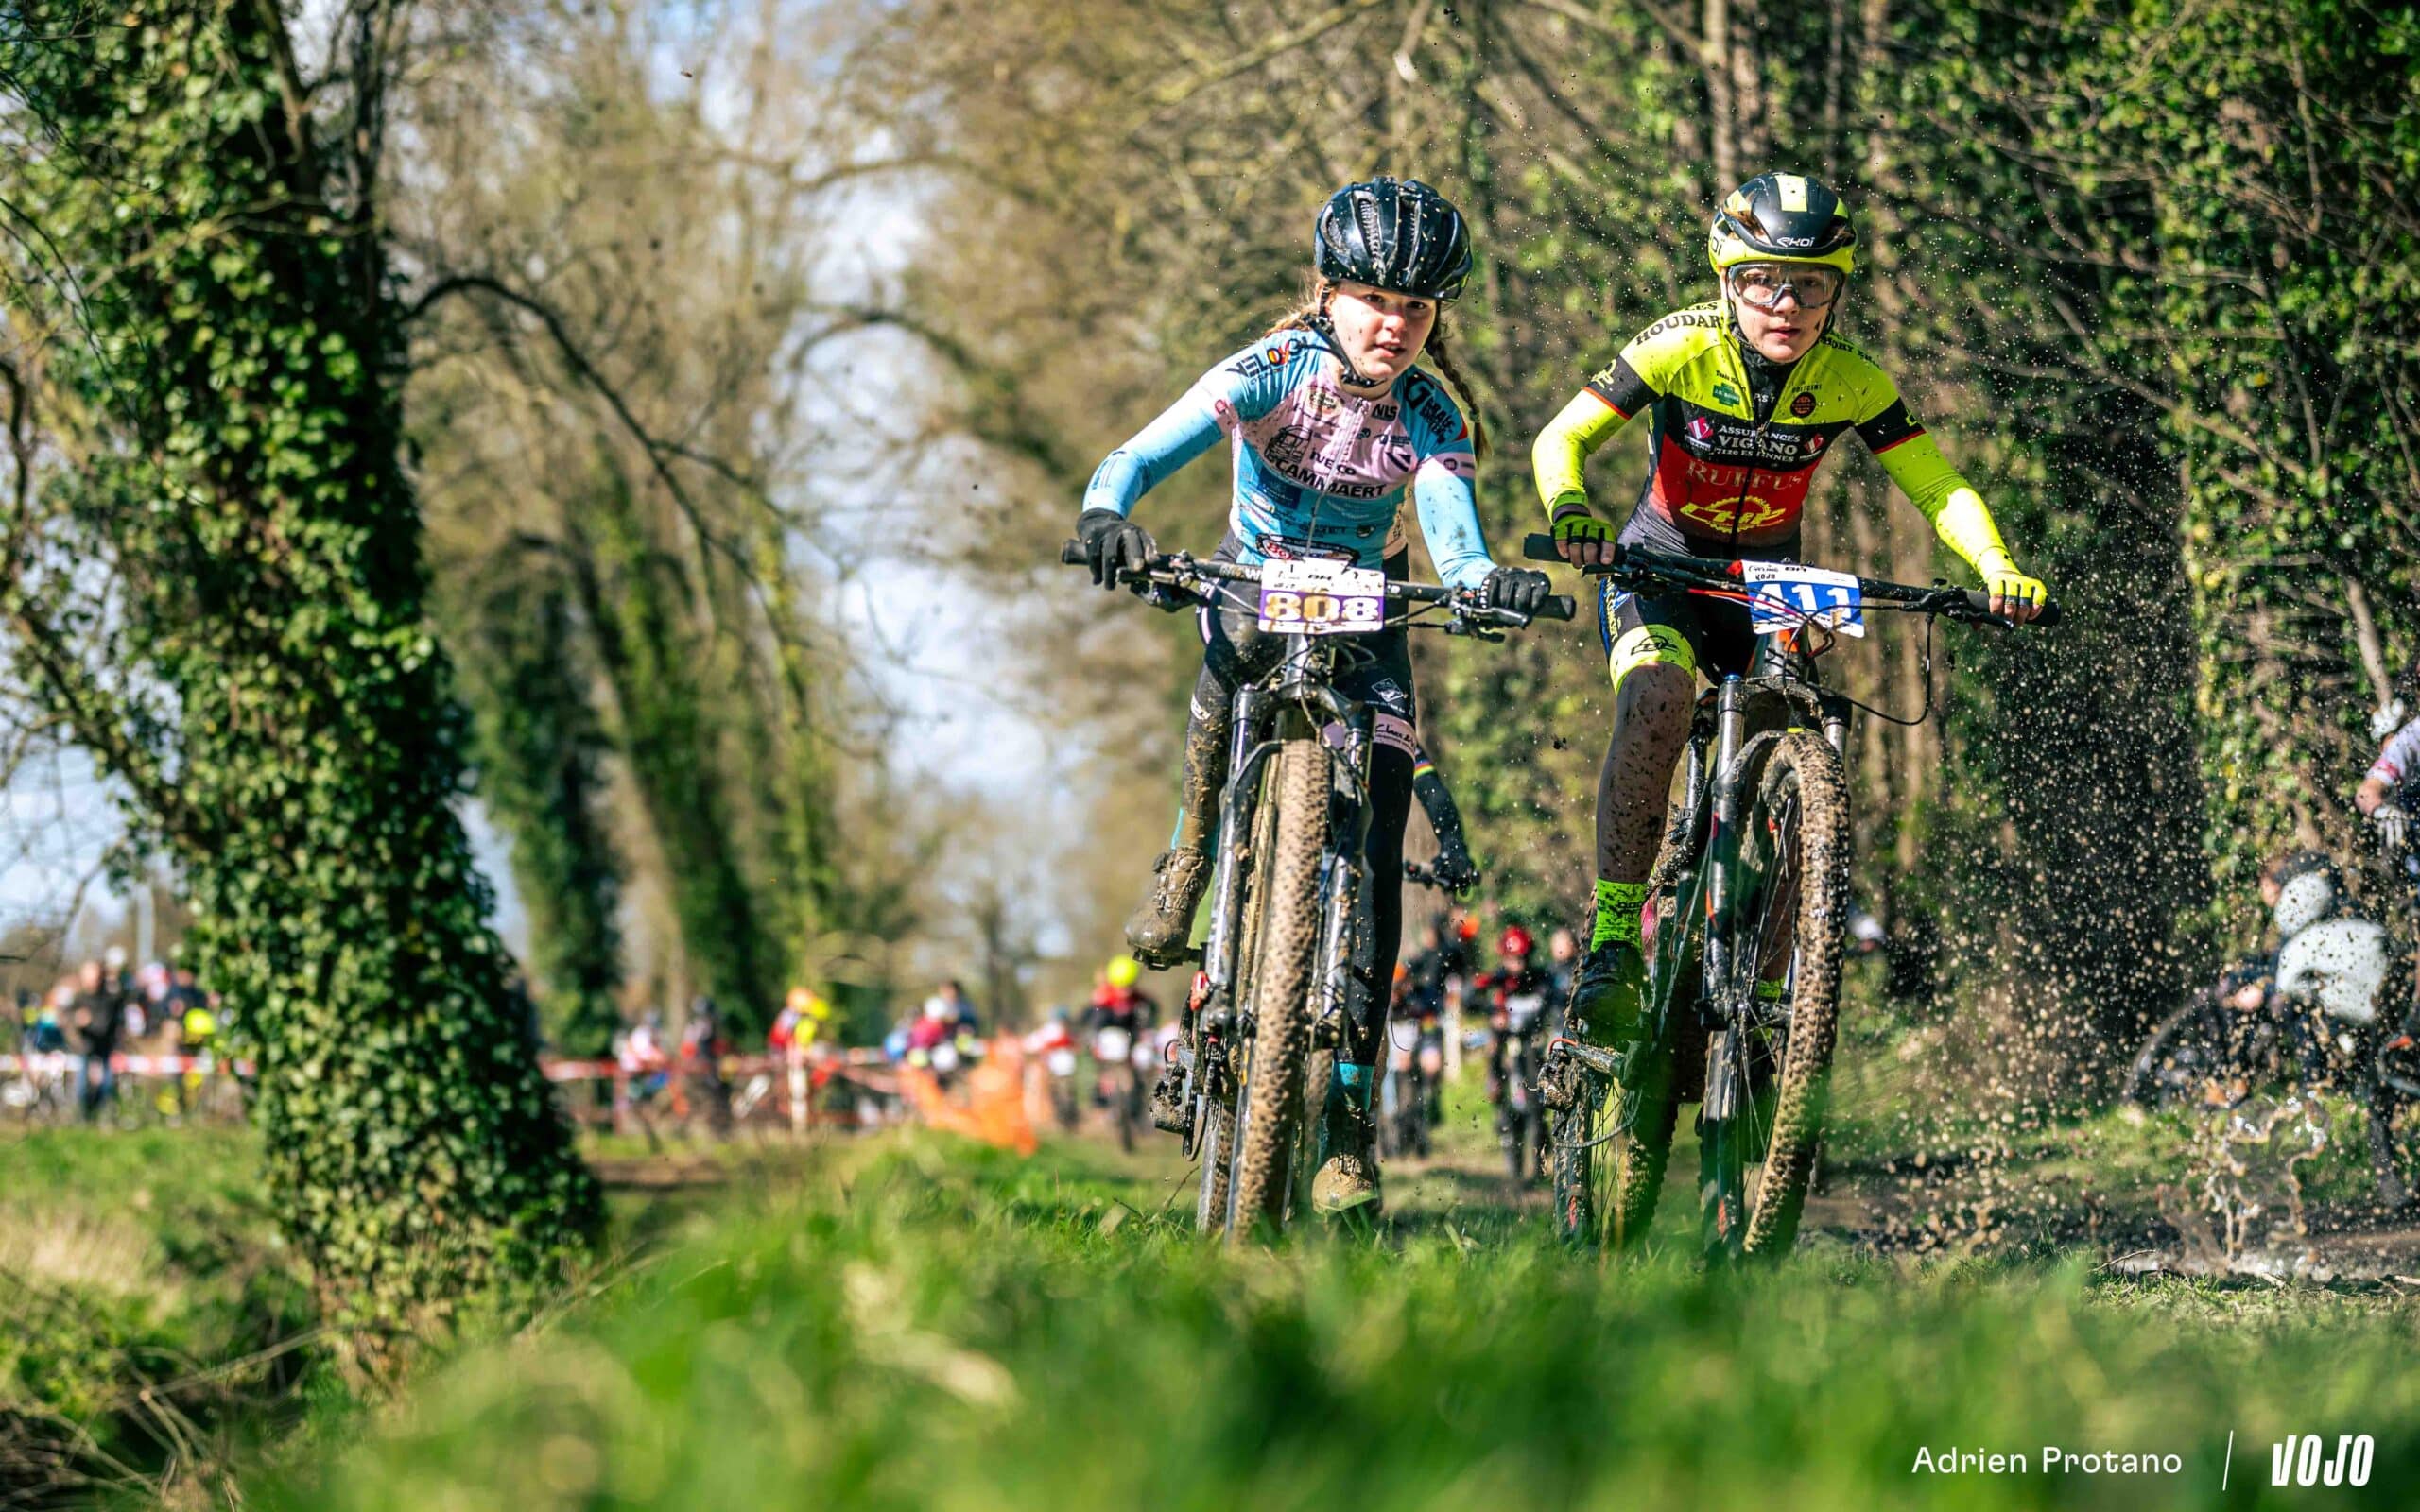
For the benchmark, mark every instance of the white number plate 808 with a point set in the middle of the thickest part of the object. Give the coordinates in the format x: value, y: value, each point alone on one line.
x: 1322, y: 598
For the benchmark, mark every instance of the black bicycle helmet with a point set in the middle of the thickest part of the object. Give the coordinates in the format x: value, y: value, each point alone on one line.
x: 1394, y: 233
x: 1782, y: 217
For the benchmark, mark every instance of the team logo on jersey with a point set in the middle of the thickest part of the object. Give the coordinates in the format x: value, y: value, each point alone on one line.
x: 1814, y: 442
x: 1268, y: 359
x: 1724, y: 392
x: 1803, y: 406
x: 1736, y: 515
x: 1700, y: 429
x: 1433, y: 411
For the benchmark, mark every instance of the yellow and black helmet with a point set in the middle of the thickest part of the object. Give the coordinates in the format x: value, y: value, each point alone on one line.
x: 1782, y: 217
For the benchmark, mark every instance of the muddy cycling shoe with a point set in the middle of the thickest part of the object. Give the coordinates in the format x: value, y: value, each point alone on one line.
x: 1347, y: 1182
x: 1161, y: 929
x: 1606, y: 996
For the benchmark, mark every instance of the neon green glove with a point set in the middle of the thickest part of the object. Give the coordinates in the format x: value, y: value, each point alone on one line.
x: 1572, y: 522
x: 2005, y: 584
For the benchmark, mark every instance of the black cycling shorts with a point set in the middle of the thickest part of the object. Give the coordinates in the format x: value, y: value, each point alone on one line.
x: 1673, y: 627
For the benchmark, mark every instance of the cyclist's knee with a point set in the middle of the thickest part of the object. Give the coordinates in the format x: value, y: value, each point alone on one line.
x: 1661, y: 652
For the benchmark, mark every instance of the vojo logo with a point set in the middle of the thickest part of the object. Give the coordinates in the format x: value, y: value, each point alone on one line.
x: 2305, y: 1459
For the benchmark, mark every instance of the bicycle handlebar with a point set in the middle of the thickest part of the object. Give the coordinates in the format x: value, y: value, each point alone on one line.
x: 1710, y: 571
x: 1178, y: 565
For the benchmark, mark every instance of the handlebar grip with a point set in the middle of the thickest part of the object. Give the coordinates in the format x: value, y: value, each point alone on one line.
x: 1980, y: 603
x: 1560, y: 607
x: 1072, y: 552
x: 1539, y: 547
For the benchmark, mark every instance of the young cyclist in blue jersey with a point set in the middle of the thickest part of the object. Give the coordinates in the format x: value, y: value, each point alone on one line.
x: 1331, y: 424
x: 1745, y: 395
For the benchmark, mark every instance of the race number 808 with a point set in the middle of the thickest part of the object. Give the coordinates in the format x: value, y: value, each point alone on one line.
x: 1284, y: 605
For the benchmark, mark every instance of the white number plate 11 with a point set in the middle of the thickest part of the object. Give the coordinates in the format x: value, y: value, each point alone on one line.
x: 1787, y: 596
x: 1322, y: 598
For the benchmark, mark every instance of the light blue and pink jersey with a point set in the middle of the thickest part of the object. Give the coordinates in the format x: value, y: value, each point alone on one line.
x: 1319, y: 472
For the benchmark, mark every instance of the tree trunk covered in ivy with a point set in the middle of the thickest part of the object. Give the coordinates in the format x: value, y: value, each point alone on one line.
x: 230, y: 356
x: 538, y: 749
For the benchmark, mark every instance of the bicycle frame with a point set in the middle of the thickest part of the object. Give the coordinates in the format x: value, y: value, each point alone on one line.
x: 1709, y: 884
x: 1299, y: 688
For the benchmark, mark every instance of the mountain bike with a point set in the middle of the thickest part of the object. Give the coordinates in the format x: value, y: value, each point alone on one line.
x: 1287, y: 948
x: 1751, y: 887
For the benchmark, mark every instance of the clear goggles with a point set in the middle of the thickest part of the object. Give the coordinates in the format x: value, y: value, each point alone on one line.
x: 1763, y: 285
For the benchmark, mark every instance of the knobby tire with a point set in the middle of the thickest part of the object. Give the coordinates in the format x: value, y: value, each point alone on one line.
x: 1748, y: 1217
x: 1283, y: 989
x: 1215, y: 1210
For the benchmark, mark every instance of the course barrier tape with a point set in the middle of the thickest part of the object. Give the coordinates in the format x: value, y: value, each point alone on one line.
x: 850, y: 1066
x: 60, y: 1062
x: 986, y: 1109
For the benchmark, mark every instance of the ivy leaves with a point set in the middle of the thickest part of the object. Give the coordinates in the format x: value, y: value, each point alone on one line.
x: 233, y: 405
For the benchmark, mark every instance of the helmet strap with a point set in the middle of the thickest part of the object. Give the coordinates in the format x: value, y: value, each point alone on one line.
x: 1324, y: 329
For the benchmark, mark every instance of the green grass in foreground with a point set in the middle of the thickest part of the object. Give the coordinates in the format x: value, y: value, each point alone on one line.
x: 959, y: 1329
x: 150, y: 1303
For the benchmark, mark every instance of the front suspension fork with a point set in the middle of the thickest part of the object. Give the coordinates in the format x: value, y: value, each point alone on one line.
x: 1722, y: 844
x: 1245, y: 754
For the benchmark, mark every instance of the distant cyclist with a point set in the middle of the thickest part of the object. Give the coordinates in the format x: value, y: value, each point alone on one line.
x: 1331, y: 425
x: 1745, y: 395
x: 2389, y: 792
x: 1119, y: 1002
x: 2392, y: 786
x: 1518, y: 1028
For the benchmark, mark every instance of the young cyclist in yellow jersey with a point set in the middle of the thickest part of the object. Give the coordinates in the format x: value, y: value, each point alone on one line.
x: 1745, y: 394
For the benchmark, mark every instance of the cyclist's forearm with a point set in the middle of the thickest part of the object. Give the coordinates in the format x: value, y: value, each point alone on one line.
x: 1186, y: 430
x: 1441, y: 493
x: 1444, y: 819
x: 1560, y: 455
x: 1958, y: 514
x: 1559, y: 458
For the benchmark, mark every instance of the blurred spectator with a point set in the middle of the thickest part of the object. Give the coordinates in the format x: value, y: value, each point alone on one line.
x: 804, y: 1018
x: 965, y: 1020
x: 97, y: 1015
x: 48, y: 1034
x: 198, y: 1035
x: 937, y: 1025
x: 702, y: 1047
x: 639, y: 1052
x: 1563, y: 962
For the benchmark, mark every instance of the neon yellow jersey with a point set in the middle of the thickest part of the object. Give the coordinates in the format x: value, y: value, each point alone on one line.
x: 1728, y: 478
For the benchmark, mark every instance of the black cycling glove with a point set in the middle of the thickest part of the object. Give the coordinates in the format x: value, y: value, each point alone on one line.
x: 1518, y: 589
x: 1455, y: 873
x: 1112, y: 544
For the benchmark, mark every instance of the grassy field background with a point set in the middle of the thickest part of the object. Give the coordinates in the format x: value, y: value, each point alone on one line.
x: 932, y: 1325
x: 906, y: 1320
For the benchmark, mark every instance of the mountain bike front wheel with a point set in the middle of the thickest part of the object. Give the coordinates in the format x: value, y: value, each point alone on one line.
x: 1282, y: 982
x: 1767, y: 1070
x: 1221, y: 1112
